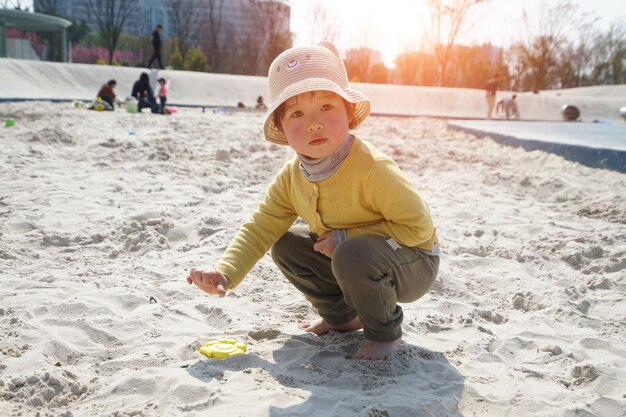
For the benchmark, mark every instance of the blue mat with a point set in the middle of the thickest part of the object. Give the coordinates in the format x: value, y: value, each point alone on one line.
x: 597, y: 145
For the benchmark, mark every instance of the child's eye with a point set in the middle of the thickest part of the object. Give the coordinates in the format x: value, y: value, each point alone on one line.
x: 296, y: 114
x: 327, y: 107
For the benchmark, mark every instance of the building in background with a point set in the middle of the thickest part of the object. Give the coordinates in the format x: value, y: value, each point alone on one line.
x: 146, y: 14
x: 237, y: 17
x: 234, y: 36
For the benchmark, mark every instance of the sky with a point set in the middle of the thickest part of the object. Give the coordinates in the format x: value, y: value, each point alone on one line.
x: 393, y: 26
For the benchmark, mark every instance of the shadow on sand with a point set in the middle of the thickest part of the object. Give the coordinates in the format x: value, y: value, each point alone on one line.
x: 413, y: 382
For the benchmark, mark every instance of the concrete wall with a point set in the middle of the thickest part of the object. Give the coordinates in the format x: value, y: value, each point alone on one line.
x: 20, y: 79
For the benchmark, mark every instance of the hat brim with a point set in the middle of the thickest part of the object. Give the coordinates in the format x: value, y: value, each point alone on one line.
x: 361, y: 102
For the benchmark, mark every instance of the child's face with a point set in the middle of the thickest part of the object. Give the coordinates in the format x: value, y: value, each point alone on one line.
x: 315, y: 123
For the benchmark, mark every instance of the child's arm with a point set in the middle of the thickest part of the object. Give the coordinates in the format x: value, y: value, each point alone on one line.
x: 268, y: 223
x: 255, y: 237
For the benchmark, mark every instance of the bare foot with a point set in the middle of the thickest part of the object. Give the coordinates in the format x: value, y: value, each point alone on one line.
x: 377, y: 351
x: 321, y: 326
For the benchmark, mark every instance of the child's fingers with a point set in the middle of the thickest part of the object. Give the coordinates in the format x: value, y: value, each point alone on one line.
x: 322, y: 237
x: 220, y: 290
x: 196, y: 273
x: 190, y: 276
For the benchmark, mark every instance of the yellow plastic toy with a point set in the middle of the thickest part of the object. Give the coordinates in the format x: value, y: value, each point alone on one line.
x: 224, y: 348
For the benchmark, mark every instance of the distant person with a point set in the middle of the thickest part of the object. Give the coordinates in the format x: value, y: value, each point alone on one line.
x: 107, y: 94
x: 162, y: 93
x: 156, y: 46
x: 260, y: 104
x: 142, y: 91
x: 508, y: 106
x: 240, y: 105
x: 490, y: 88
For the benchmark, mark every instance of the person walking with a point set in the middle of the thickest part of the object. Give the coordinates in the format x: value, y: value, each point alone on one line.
x: 491, y: 87
x: 156, y: 46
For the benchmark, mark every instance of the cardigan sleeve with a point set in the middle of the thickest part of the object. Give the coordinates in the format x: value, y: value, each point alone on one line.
x: 267, y: 224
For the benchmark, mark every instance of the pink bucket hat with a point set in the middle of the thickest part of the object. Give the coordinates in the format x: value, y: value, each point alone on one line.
x: 310, y: 68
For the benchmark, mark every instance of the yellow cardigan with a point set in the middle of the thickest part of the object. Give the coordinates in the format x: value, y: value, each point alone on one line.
x: 368, y: 195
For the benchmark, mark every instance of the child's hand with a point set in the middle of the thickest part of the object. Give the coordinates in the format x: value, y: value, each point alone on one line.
x: 325, y: 244
x: 211, y: 282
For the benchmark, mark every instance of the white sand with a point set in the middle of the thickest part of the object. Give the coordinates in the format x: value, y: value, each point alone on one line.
x: 528, y: 317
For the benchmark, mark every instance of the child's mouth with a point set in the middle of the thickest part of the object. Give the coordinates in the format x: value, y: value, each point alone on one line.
x: 318, y: 141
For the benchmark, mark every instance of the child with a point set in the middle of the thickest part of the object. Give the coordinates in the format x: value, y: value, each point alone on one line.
x: 107, y: 94
x: 370, y: 240
x: 162, y: 93
x: 260, y: 104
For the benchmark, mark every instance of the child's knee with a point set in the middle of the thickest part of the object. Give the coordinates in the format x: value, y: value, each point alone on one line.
x: 356, y: 257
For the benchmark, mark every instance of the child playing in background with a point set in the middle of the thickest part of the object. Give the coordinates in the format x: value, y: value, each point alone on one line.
x: 162, y: 93
x: 107, y: 94
x: 260, y: 104
x: 369, y: 242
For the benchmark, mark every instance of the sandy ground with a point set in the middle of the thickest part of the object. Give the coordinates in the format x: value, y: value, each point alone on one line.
x: 101, y: 214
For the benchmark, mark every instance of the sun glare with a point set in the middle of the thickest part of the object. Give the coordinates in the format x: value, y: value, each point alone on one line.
x: 391, y: 26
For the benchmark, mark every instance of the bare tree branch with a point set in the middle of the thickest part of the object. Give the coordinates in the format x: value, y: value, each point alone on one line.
x: 214, y: 25
x: 448, y: 19
x: 13, y: 4
x: 184, y: 24
x: 268, y: 16
x: 323, y: 24
x: 543, y: 42
x: 110, y: 16
x: 47, y: 7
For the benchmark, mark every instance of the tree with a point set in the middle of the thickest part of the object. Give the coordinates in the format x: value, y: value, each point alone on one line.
x: 47, y: 7
x: 183, y: 24
x: 359, y: 63
x: 417, y: 68
x: 608, y: 56
x: 269, y: 16
x: 13, y: 4
x: 110, y: 16
x: 379, y: 73
x: 323, y: 25
x: 214, y: 25
x: 448, y: 19
x: 537, y: 55
x: 194, y: 61
x: 279, y: 41
x: 472, y: 66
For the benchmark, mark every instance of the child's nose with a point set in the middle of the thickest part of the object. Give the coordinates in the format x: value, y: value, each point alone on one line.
x: 314, y: 126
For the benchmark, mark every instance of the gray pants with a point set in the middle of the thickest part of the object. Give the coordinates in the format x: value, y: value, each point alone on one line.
x: 366, y: 277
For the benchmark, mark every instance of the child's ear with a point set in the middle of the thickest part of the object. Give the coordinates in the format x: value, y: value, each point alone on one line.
x: 351, y: 110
